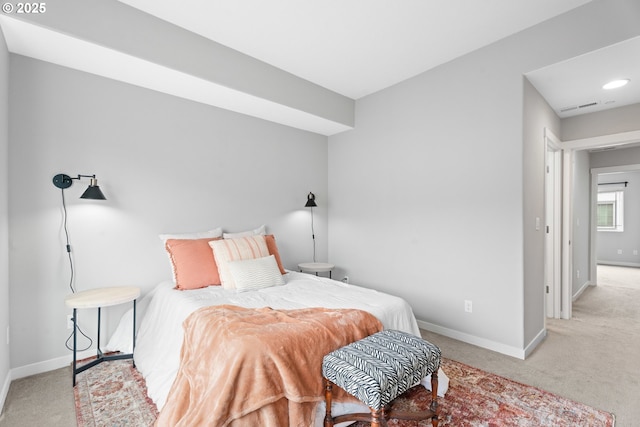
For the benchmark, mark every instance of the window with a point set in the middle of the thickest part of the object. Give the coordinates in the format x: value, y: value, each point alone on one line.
x: 610, y: 211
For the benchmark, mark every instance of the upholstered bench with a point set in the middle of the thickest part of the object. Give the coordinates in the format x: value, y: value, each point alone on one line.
x: 376, y: 370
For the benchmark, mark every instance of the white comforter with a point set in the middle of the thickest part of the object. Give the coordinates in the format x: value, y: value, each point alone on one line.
x: 159, y: 339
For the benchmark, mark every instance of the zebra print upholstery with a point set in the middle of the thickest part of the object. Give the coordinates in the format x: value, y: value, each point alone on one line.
x: 382, y: 366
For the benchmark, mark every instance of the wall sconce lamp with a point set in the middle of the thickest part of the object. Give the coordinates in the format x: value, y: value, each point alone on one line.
x: 311, y: 200
x: 311, y: 203
x: 93, y: 191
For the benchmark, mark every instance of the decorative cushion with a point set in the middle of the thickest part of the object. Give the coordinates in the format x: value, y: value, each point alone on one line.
x: 260, y: 231
x: 192, y: 263
x: 257, y: 273
x: 273, y: 250
x: 382, y: 366
x: 226, y: 250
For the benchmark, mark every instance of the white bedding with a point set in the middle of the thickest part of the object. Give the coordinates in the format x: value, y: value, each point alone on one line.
x: 159, y: 339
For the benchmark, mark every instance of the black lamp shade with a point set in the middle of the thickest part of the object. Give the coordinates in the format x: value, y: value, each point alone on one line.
x: 311, y: 201
x: 93, y: 191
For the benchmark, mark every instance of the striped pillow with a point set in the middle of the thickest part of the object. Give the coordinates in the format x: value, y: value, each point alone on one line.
x: 258, y: 273
x: 226, y: 250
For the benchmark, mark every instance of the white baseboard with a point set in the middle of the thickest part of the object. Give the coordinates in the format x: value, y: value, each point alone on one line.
x: 472, y: 339
x: 619, y: 264
x: 4, y: 392
x: 48, y: 365
x: 535, y: 342
x: 583, y: 288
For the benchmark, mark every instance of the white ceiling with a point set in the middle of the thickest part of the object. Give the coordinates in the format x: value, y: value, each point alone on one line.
x: 574, y: 86
x: 353, y: 47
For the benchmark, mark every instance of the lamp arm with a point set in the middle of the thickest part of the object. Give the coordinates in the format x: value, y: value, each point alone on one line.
x: 64, y: 181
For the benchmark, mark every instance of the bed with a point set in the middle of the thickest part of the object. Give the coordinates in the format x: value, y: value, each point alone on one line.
x: 164, y: 311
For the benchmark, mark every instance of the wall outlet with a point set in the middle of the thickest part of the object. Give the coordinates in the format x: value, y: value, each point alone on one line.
x: 577, y: 274
x: 345, y: 279
x: 468, y: 306
x: 635, y: 252
x: 619, y: 251
x: 69, y: 321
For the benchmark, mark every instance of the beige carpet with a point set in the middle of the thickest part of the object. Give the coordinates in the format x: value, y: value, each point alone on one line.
x: 623, y: 277
x: 592, y: 359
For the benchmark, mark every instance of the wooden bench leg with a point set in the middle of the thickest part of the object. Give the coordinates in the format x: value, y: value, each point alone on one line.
x: 434, y: 398
x: 328, y: 419
x: 377, y: 418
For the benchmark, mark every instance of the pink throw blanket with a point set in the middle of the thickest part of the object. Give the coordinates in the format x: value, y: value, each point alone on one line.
x: 245, y: 367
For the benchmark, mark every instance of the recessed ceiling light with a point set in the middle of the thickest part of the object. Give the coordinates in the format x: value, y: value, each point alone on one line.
x: 616, y: 84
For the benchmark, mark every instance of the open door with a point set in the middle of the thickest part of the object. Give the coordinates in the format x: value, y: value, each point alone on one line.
x: 553, y: 222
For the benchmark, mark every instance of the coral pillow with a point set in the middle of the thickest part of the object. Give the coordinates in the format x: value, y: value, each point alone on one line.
x: 236, y: 249
x: 193, y: 263
x: 273, y: 250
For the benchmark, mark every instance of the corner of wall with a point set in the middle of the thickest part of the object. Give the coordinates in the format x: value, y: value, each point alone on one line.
x: 5, y: 374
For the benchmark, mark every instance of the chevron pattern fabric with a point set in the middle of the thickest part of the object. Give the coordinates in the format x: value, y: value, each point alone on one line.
x: 382, y: 366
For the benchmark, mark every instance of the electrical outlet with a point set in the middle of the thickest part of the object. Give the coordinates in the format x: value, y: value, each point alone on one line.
x: 7, y: 335
x: 577, y: 274
x: 69, y: 321
x: 619, y: 251
x: 635, y: 252
x: 468, y: 306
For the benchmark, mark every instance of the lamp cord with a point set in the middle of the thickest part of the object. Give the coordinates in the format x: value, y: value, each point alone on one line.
x: 72, y: 275
x: 68, y: 245
x: 313, y: 236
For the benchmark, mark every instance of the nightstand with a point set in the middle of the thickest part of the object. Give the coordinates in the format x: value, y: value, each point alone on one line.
x: 316, y: 267
x: 98, y: 298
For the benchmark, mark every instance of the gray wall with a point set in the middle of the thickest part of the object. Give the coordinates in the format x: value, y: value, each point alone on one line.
x: 4, y: 219
x: 427, y: 191
x: 619, y: 157
x: 581, y: 222
x: 537, y: 116
x: 165, y: 165
x: 627, y: 241
x: 616, y: 120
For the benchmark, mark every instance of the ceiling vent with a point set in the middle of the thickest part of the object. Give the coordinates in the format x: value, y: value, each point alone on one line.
x: 589, y: 104
x: 579, y: 107
x: 567, y: 109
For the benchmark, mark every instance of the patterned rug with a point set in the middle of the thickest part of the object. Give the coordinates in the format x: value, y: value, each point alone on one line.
x: 114, y: 394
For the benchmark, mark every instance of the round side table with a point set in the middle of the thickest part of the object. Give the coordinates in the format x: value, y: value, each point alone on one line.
x: 98, y: 298
x: 316, y: 267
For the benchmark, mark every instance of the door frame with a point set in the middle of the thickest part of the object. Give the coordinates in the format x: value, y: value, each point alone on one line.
x: 568, y: 149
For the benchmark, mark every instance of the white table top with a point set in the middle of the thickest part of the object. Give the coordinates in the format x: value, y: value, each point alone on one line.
x: 102, y: 297
x: 316, y: 266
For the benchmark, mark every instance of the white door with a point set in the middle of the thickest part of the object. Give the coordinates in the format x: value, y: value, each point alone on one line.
x: 553, y: 253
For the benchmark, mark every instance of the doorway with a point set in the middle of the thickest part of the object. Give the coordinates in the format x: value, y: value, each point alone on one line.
x: 616, y: 237
x: 625, y: 139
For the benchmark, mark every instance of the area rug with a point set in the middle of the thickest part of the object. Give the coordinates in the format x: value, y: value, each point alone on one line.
x: 114, y: 394
x: 480, y: 399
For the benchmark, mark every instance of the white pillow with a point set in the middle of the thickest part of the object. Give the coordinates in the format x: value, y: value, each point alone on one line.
x: 257, y: 273
x: 211, y: 234
x: 225, y: 250
x: 260, y: 231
